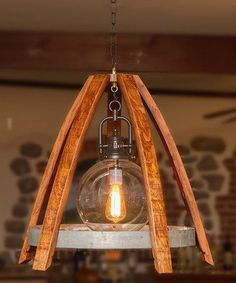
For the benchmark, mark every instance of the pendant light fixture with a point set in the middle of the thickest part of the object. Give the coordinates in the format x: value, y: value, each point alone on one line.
x: 116, y: 197
x: 111, y: 193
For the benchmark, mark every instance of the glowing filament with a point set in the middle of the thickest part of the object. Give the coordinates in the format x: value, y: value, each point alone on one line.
x: 115, y: 210
x: 115, y: 201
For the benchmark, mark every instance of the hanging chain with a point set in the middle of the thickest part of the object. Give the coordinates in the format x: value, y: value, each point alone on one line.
x: 113, y: 34
x: 113, y: 49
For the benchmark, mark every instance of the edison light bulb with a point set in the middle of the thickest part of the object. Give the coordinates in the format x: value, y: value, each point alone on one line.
x: 115, y: 209
x: 111, y: 196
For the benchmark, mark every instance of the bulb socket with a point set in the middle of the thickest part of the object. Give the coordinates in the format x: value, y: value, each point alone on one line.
x: 115, y: 176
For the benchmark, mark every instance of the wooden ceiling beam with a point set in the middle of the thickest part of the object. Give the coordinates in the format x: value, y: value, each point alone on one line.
x: 136, y: 53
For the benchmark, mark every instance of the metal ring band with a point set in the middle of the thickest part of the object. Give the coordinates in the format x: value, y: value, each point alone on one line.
x: 114, y: 88
x: 113, y: 109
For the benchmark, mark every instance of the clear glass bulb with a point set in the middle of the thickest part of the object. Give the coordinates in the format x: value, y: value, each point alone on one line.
x: 115, y: 209
x: 111, y: 196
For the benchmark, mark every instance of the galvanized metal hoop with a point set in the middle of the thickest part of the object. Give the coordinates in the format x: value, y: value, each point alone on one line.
x: 80, y: 237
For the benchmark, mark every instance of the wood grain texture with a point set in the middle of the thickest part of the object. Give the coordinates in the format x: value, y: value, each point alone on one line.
x: 153, y: 188
x: 27, y: 253
x: 65, y: 171
x: 178, y: 167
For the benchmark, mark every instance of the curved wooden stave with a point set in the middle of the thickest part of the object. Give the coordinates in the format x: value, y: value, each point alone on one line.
x: 147, y: 155
x: 65, y: 171
x: 178, y: 168
x: 27, y: 253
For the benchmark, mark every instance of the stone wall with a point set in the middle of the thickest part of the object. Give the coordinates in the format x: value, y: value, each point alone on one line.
x: 37, y: 115
x: 27, y: 169
x: 210, y: 174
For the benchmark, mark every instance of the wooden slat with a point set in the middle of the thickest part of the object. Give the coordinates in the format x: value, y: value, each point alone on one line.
x: 178, y: 167
x: 137, y: 52
x: 152, y: 182
x: 65, y: 171
x: 44, y: 189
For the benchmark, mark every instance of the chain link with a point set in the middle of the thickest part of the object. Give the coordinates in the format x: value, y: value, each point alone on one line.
x: 113, y: 33
x: 113, y: 50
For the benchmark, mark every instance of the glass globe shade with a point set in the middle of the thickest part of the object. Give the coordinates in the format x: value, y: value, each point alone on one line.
x: 111, y: 196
